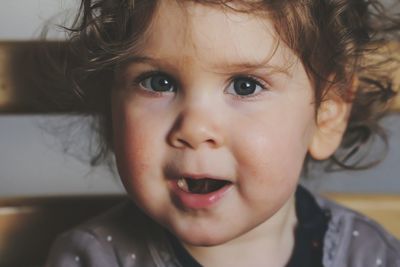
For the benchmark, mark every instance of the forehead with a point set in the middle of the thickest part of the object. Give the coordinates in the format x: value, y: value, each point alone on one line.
x: 189, y: 32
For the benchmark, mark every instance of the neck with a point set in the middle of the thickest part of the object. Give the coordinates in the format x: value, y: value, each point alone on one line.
x: 269, y: 244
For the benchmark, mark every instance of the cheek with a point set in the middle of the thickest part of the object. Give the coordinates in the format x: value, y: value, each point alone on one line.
x: 133, y: 145
x: 271, y: 152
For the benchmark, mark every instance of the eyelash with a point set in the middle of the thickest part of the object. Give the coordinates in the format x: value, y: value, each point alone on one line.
x: 142, y: 77
x: 259, y: 82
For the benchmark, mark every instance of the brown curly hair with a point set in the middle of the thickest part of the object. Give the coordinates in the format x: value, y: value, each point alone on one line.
x: 334, y: 39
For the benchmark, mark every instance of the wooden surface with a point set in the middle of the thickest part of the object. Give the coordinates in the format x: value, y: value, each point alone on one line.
x: 13, y: 57
x: 384, y: 209
x: 27, y: 80
x: 28, y: 226
x: 32, y: 76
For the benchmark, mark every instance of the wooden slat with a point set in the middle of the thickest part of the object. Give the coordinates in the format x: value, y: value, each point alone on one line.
x: 392, y: 69
x: 384, y: 209
x: 26, y: 78
x: 396, y: 104
x: 30, y: 76
x: 28, y: 226
x: 7, y: 96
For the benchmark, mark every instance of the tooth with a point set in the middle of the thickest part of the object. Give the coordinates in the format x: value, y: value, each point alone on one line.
x: 207, y: 186
x: 182, y: 184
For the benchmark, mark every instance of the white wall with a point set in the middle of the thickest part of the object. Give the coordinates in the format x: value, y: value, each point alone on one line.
x: 24, y: 19
x: 32, y: 161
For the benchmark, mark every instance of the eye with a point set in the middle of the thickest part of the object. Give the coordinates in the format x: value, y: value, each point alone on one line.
x: 158, y: 82
x: 244, y: 86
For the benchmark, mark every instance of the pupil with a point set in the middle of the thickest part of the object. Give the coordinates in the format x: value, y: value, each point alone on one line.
x: 160, y: 84
x: 244, y: 87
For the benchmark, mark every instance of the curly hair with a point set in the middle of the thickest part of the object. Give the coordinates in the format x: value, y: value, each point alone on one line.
x: 339, y: 42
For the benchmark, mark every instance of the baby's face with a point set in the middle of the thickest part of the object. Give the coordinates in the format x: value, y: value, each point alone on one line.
x: 211, y: 127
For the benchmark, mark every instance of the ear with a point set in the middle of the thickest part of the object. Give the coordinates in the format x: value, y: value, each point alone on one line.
x: 332, y: 118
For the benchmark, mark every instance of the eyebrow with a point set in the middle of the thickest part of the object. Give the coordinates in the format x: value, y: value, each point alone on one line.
x: 246, y: 66
x: 232, y: 67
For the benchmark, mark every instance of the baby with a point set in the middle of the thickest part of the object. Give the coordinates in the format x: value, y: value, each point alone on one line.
x: 213, y: 109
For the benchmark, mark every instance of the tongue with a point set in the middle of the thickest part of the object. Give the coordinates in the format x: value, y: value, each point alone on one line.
x: 204, y: 186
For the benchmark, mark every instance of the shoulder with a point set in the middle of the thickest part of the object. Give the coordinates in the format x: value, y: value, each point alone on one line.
x: 123, y: 236
x: 353, y: 239
x: 78, y: 247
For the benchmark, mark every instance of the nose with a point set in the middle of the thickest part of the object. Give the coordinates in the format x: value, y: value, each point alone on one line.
x: 195, y: 127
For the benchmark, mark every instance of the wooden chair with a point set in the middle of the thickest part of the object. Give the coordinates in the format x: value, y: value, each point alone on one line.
x: 29, y: 225
x: 383, y: 208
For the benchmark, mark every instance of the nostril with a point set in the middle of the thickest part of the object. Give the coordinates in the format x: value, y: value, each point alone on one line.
x: 184, y: 143
x: 193, y: 144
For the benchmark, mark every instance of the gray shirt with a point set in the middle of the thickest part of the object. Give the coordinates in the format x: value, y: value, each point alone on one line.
x: 125, y: 237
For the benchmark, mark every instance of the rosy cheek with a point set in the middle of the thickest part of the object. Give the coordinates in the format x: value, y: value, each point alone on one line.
x: 269, y: 157
x: 130, y: 146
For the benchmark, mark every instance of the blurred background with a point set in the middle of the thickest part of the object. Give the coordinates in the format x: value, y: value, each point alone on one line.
x: 33, y: 160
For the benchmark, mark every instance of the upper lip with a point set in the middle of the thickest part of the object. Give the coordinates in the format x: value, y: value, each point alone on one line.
x: 174, y: 173
x: 202, y: 176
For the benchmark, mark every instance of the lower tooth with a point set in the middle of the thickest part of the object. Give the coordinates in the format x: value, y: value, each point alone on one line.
x: 182, y: 184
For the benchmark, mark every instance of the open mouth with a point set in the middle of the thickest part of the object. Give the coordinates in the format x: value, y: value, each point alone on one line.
x: 201, y: 186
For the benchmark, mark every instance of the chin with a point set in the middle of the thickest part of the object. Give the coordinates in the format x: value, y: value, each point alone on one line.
x: 203, y: 239
x: 203, y: 242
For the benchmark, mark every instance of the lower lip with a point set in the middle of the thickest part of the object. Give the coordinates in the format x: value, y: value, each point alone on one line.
x: 199, y: 201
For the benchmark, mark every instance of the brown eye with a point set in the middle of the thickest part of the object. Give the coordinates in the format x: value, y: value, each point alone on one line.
x: 158, y: 83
